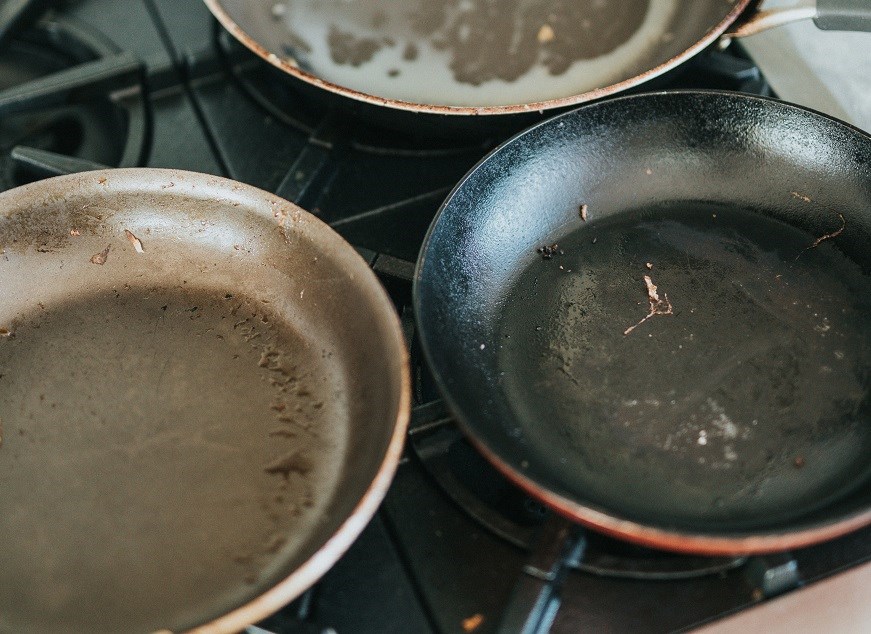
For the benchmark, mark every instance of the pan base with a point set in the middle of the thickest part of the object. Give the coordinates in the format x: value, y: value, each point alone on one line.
x: 745, y: 407
x: 177, y: 438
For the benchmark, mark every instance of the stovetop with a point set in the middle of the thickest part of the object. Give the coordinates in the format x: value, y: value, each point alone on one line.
x: 454, y: 548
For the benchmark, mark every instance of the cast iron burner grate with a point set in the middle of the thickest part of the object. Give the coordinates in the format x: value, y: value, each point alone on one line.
x: 281, y: 97
x: 69, y: 101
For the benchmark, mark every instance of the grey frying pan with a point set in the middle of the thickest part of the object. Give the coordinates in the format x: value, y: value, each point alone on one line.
x: 495, y: 57
x: 203, y: 397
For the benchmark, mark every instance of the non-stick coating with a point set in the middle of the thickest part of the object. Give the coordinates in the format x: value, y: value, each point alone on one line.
x: 645, y: 157
x: 203, y: 392
x: 427, y: 80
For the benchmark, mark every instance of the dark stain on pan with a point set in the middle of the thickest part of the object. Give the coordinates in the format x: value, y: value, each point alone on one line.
x: 51, y: 230
x: 496, y: 39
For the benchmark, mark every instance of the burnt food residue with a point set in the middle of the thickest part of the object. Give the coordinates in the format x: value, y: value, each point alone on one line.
x: 489, y: 39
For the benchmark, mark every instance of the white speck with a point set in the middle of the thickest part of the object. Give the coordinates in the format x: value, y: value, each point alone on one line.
x: 723, y: 423
x: 729, y: 453
x: 825, y: 369
x: 301, y: 293
x: 278, y: 10
x: 703, y: 437
x: 631, y: 403
x: 839, y: 355
x: 483, y: 345
x: 823, y: 327
x: 680, y: 346
x: 754, y: 422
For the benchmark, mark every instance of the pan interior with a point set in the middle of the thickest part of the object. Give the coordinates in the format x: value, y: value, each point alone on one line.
x: 747, y: 406
x: 476, y: 53
x: 161, y: 447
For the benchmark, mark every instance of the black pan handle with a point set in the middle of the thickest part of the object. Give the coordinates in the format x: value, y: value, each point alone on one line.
x: 843, y: 15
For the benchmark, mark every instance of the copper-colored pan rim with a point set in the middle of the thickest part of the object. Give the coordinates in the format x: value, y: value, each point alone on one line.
x: 676, y: 541
x: 240, y: 34
x: 307, y: 574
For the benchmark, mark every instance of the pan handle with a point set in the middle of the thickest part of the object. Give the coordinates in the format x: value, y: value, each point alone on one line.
x: 829, y: 15
x: 843, y: 15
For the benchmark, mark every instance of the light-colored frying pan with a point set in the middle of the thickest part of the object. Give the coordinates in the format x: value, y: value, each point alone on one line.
x: 496, y: 57
x: 203, y: 398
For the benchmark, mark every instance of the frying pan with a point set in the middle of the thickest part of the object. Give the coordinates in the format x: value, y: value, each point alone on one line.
x: 203, y: 397
x: 652, y: 314
x: 494, y: 57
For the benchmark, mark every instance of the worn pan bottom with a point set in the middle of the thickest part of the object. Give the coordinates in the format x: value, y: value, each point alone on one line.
x: 743, y: 403
x: 199, y: 489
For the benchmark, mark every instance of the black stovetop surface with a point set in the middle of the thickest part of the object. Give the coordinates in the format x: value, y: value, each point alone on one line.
x: 157, y: 83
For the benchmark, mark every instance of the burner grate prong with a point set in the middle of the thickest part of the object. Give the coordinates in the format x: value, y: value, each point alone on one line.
x: 16, y: 15
x: 79, y: 83
x: 45, y: 164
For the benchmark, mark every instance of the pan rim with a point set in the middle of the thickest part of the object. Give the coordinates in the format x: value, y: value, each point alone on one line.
x: 217, y: 9
x: 594, y: 516
x: 317, y: 564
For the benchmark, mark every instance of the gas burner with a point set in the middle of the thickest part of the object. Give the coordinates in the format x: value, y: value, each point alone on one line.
x: 508, y: 512
x: 69, y: 101
x: 277, y: 95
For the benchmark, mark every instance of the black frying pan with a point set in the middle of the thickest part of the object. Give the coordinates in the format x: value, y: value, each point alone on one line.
x: 653, y: 314
x: 494, y: 57
x: 203, y: 397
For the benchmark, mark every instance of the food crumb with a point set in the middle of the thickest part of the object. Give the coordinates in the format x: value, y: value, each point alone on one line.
x: 798, y: 462
x: 5, y: 332
x: 583, y: 212
x: 649, y: 266
x: 801, y: 197
x: 136, y: 242
x: 546, y: 34
x: 101, y: 257
x: 658, y: 306
x: 75, y: 232
x: 547, y: 252
x: 473, y: 623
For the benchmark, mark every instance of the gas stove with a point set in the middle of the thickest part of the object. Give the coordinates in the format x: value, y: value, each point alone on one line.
x: 454, y: 548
